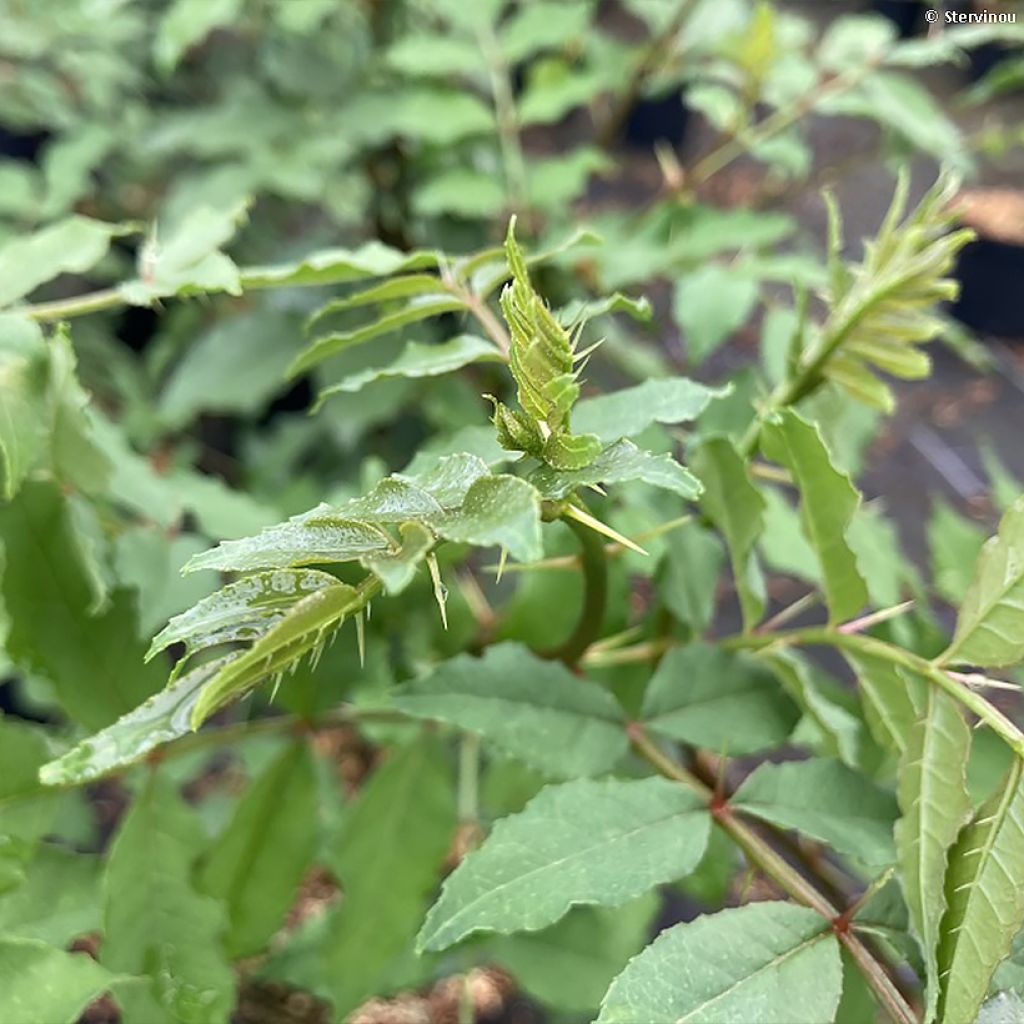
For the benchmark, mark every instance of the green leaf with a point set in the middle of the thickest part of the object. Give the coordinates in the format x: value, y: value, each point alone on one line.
x: 881, y: 308
x: 888, y: 695
x: 396, y: 569
x: 839, y: 730
x: 94, y: 661
x: 59, y: 899
x: 315, y: 536
x: 419, y: 360
x: 736, y: 507
x: 990, y: 626
x: 985, y: 900
x: 828, y: 501
x: 243, y: 610
x: 498, y: 511
x: 620, y: 462
x: 304, y: 628
x: 709, y: 305
x: 185, y: 24
x: 190, y: 260
x: 775, y: 963
x: 26, y: 809
x: 1002, y: 1008
x: 70, y: 246
x: 579, y: 842
x: 22, y: 398
x: 689, y: 574
x: 334, y: 266
x: 827, y: 801
x: 161, y: 718
x: 257, y: 862
x: 722, y: 701
x: 391, y: 848
x: 236, y: 366
x: 156, y: 924
x: 462, y: 192
x: 632, y: 410
x: 570, y: 965
x: 933, y: 798
x: 41, y: 983
x: 530, y: 709
x: 422, y: 307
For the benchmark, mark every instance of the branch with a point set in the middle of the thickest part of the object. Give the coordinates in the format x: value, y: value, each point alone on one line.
x: 760, y: 850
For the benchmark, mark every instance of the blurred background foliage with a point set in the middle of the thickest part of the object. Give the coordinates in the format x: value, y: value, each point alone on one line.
x: 692, y: 138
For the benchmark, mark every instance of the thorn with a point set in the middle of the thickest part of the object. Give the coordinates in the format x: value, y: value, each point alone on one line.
x: 361, y: 637
x: 440, y: 593
x: 277, y: 686
x: 581, y: 516
x: 501, y: 565
x: 866, y: 621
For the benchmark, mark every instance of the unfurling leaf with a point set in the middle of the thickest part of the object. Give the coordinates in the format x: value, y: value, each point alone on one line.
x: 881, y: 308
x: 542, y: 359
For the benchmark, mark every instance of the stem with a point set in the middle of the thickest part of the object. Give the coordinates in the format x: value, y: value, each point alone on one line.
x: 64, y: 309
x: 759, y: 851
x: 649, y: 62
x: 595, y: 594
x: 779, y: 121
x: 872, y: 646
x: 507, y: 118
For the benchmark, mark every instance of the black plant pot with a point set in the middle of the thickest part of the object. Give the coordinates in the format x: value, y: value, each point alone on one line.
x: 991, y: 276
x: 657, y: 119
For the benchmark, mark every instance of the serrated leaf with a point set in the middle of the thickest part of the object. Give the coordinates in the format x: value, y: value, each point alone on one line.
x: 304, y: 628
x: 527, y: 708
x: 155, y: 923
x: 314, y: 536
x: 889, y: 697
x: 722, y: 701
x: 70, y: 246
x: 933, y: 798
x: 391, y: 846
x: 501, y: 511
x: 396, y: 569
x: 40, y: 982
x: 775, y: 963
x: 827, y: 801
x: 334, y: 266
x: 839, y: 729
x: 990, y: 626
x: 828, y: 501
x: 93, y: 660
x: 632, y: 410
x: 161, y: 718
x: 243, y: 610
x: 620, y: 462
x: 736, y: 507
x: 985, y: 900
x: 422, y: 307
x: 581, y: 842
x: 255, y: 865
x: 418, y: 360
